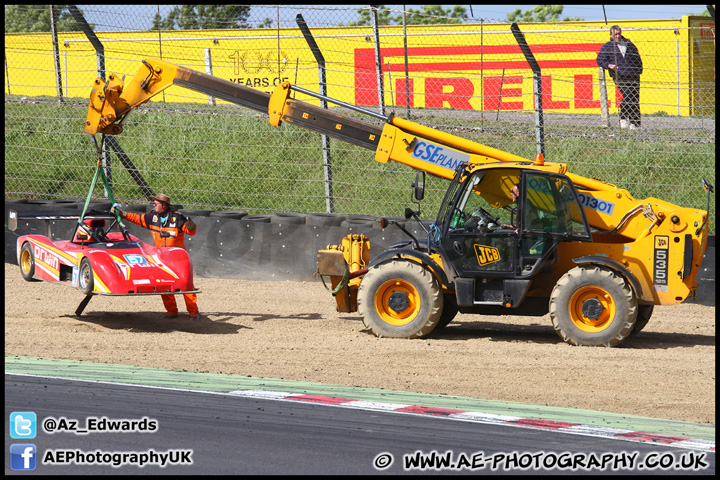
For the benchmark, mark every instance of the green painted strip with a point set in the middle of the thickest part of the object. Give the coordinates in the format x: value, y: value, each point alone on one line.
x: 214, y: 382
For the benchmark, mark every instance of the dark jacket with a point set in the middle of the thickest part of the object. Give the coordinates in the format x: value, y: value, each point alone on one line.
x: 629, y: 66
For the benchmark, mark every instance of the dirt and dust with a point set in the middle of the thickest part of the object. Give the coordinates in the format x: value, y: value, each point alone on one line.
x: 290, y: 330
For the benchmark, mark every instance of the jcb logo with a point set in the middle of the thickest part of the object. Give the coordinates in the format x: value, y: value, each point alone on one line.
x: 660, y: 260
x: 661, y: 242
x: 487, y: 255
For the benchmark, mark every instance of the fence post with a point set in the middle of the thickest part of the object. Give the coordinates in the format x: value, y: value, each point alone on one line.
x: 602, y: 85
x: 537, y: 87
x: 56, y: 55
x: 100, y: 52
x: 378, y: 60
x: 7, y: 73
x: 327, y: 159
x: 407, y: 75
x: 209, y: 71
x: 94, y: 41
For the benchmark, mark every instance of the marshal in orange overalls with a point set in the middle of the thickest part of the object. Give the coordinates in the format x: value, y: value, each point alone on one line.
x: 168, y: 229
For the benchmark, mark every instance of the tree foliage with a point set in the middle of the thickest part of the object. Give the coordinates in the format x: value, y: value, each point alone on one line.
x: 541, y: 13
x: 706, y: 12
x: 203, y: 17
x: 430, y: 15
x: 36, y: 18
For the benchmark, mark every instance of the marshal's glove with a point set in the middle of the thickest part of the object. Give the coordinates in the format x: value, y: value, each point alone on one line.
x: 191, y: 225
x: 116, y: 209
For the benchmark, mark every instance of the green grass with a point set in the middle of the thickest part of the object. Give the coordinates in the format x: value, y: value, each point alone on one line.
x: 227, y: 157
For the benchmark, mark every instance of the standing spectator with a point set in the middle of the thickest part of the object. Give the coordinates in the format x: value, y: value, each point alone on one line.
x: 622, y: 60
x: 168, y: 229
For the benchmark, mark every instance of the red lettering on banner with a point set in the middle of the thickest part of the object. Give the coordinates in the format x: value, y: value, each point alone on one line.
x: 547, y: 101
x: 584, y: 92
x: 459, y: 98
x: 494, y: 97
x: 403, y: 92
x: 366, y: 86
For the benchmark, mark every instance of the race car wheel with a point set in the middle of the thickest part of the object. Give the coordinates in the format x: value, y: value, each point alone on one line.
x: 27, y: 263
x: 400, y: 299
x: 86, y: 282
x: 592, y: 305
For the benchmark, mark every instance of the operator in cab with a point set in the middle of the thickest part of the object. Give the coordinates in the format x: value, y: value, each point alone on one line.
x: 481, y: 221
x: 168, y: 229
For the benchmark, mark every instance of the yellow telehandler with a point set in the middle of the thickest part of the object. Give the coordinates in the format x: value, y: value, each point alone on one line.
x: 513, y: 236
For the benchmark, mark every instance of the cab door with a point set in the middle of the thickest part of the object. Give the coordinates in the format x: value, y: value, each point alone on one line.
x: 479, y: 239
x: 514, y: 238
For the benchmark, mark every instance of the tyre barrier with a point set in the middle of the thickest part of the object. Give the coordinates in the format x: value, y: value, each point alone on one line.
x: 355, y: 224
x: 194, y: 213
x: 287, y: 218
x: 324, y: 219
x: 99, y: 206
x: 259, y: 218
x: 236, y: 214
x: 68, y: 203
x: 258, y: 248
x: 135, y: 208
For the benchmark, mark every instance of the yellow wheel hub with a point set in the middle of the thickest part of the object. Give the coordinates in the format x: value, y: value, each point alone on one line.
x: 592, y: 309
x: 25, y: 262
x: 397, y: 302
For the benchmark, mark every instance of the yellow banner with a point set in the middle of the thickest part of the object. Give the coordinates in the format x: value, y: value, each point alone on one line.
x: 464, y: 67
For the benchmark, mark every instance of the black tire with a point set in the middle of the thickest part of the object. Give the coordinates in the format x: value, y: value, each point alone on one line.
x: 235, y: 214
x: 324, y: 219
x: 260, y: 217
x: 195, y: 213
x: 643, y: 317
x: 86, y: 282
x: 410, y: 288
x: 449, y: 311
x: 593, y: 305
x: 288, y: 218
x: 27, y: 263
x: 135, y: 208
x: 68, y: 203
x: 99, y: 206
x: 358, y: 223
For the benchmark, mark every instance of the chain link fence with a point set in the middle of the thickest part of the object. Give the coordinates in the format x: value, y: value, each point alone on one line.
x: 469, y: 78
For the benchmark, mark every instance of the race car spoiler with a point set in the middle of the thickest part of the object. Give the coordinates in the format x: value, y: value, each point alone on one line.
x: 14, y: 217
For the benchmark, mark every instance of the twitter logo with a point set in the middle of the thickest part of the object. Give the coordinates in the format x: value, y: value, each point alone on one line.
x: 23, y: 425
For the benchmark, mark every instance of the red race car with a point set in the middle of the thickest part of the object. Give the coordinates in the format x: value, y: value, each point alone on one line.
x: 101, y: 262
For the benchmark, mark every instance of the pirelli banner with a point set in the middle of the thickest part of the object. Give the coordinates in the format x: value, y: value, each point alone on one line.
x: 463, y: 67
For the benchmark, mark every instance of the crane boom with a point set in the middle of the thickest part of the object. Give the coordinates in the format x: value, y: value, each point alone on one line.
x: 611, y: 211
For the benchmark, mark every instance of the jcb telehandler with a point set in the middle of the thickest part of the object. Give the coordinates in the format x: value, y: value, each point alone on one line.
x: 586, y: 252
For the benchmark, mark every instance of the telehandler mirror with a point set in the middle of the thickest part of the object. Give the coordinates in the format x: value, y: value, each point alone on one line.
x: 419, y: 186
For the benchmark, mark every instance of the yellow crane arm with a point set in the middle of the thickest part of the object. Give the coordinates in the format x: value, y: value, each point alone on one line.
x: 608, y: 208
x: 111, y: 101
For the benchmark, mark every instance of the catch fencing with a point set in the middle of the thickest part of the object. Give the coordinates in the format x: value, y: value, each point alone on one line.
x: 470, y: 79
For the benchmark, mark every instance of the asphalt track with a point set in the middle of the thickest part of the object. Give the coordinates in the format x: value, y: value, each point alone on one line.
x: 233, y: 424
